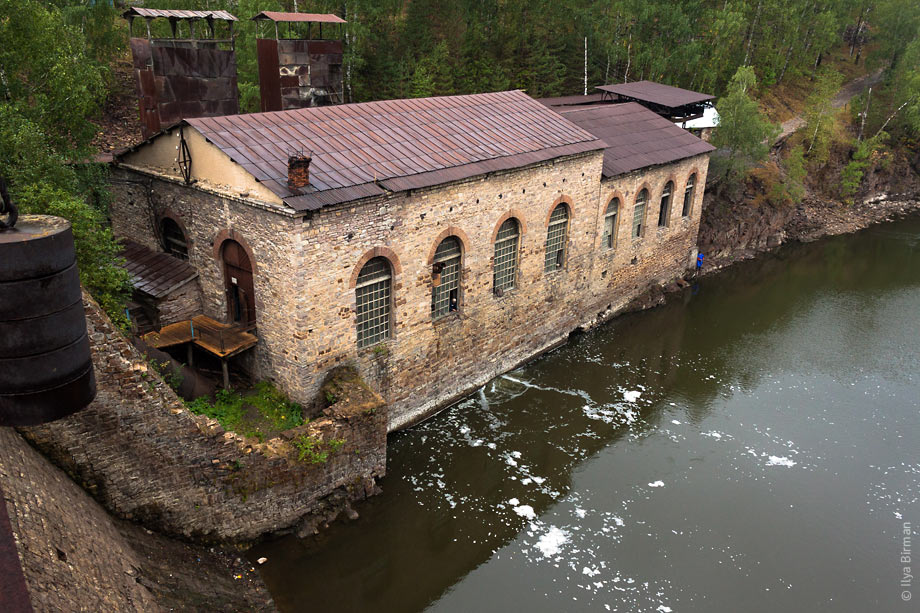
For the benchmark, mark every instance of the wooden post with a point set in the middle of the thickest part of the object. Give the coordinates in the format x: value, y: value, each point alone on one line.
x: 191, y: 356
x: 226, y: 369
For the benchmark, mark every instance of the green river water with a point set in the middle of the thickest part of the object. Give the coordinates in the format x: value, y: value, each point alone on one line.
x: 753, y: 445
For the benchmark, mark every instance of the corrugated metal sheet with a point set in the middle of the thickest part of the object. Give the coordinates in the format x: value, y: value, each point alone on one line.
x: 656, y: 93
x: 155, y: 273
x: 178, y: 14
x: 360, y: 150
x: 571, y: 100
x: 298, y: 17
x: 636, y: 137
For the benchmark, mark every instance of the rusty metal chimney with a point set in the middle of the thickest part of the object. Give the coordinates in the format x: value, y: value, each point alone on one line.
x: 298, y: 171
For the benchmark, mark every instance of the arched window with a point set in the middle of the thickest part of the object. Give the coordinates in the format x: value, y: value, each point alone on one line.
x: 689, y: 192
x: 445, y: 278
x: 174, y: 242
x: 609, y: 238
x: 555, y: 239
x: 639, y: 214
x: 664, y: 213
x: 504, y: 270
x: 372, y: 302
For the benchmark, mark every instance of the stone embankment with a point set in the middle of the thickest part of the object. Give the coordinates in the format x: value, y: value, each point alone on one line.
x: 145, y: 457
x: 77, y: 557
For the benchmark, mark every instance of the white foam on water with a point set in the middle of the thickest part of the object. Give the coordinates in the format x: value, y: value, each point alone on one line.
x: 656, y: 484
x: 779, y: 461
x: 514, y: 502
x: 675, y: 422
x: 526, y: 511
x: 631, y: 395
x: 551, y: 543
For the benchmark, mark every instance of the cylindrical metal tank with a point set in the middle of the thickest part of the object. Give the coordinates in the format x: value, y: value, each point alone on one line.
x: 46, y: 370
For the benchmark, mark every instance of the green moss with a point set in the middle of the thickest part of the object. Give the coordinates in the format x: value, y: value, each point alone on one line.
x: 316, y: 451
x: 259, y: 413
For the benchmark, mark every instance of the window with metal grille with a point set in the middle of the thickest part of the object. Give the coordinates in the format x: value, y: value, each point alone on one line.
x: 555, y: 239
x: 445, y: 278
x: 609, y: 238
x: 664, y: 213
x: 639, y: 214
x: 372, y: 302
x: 688, y: 195
x: 174, y: 242
x: 504, y: 268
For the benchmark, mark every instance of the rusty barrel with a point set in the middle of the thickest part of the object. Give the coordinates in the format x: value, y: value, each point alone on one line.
x: 46, y: 370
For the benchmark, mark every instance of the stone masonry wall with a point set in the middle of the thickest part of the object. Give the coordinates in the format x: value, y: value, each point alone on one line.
x: 428, y: 363
x: 183, y: 303
x: 145, y: 457
x: 307, y: 307
x: 72, y: 554
x: 208, y: 218
x: 661, y: 253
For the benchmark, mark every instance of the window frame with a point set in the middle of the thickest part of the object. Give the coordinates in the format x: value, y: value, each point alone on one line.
x: 664, y: 205
x: 438, y: 265
x: 638, y: 229
x: 609, y: 239
x: 559, y: 240
x: 689, y: 186
x: 169, y: 244
x: 500, y: 260
x: 363, y: 339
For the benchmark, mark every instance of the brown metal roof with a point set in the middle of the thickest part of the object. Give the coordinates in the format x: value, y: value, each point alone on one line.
x: 656, y: 93
x: 366, y: 149
x: 635, y: 136
x: 178, y: 14
x: 155, y: 273
x: 298, y: 17
x: 571, y: 100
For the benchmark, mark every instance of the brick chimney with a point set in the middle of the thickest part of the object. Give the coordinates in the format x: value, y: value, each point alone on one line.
x: 298, y: 171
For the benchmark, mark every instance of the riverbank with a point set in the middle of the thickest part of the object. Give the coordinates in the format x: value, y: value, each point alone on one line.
x: 730, y: 232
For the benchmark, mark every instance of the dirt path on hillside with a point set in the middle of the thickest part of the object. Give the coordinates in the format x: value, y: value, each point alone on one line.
x: 846, y: 93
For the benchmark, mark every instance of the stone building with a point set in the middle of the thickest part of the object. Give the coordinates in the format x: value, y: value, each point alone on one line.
x: 432, y: 243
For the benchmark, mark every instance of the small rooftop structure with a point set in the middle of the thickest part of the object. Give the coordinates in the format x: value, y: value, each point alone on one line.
x: 577, y: 100
x: 298, y: 17
x: 635, y: 136
x: 190, y: 76
x: 299, y: 71
x: 374, y: 148
x: 672, y: 102
x: 153, y: 273
x: 176, y: 14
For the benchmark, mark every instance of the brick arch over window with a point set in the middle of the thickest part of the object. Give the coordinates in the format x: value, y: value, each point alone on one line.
x: 522, y: 225
x: 649, y: 198
x: 569, y: 206
x: 699, y: 190
x: 671, y: 198
x: 168, y: 213
x: 448, y: 231
x: 231, y: 234
x: 376, y: 252
x: 618, y: 196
